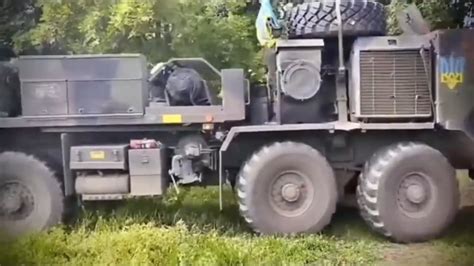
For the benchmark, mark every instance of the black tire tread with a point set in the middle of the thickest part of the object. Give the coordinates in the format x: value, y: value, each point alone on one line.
x: 368, y: 186
x: 256, y: 159
x: 318, y: 19
x: 39, y: 169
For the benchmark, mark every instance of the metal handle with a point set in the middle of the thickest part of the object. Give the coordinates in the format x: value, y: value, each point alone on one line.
x: 79, y: 156
x: 116, y: 155
x: 247, y: 82
x: 340, y: 36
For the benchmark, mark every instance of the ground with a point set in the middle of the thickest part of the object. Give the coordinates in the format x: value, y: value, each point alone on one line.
x: 188, y: 229
x: 456, y: 248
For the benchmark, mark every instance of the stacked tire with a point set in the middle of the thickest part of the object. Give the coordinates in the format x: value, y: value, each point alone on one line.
x: 318, y: 19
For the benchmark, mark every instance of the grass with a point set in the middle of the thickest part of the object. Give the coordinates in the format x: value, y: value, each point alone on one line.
x: 185, y: 230
x: 189, y: 229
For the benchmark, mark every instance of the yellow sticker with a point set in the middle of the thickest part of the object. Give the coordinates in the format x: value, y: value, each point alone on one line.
x: 172, y: 119
x: 97, y: 155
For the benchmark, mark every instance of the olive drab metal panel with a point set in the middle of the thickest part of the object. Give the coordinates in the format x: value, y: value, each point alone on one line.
x: 106, y: 184
x: 43, y: 86
x: 299, y: 61
x: 99, y: 157
x: 455, y: 79
x: 83, y: 84
x: 148, y: 171
x: 146, y: 161
x: 104, y: 97
x: 44, y: 98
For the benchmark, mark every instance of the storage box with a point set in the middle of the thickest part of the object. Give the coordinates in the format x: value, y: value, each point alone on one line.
x: 148, y: 171
x: 99, y: 157
x: 83, y: 84
x: 146, y: 161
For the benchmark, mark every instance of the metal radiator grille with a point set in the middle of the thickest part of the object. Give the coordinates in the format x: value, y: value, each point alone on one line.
x: 395, y: 84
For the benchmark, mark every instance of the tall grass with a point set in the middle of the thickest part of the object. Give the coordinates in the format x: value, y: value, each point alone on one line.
x: 187, y: 229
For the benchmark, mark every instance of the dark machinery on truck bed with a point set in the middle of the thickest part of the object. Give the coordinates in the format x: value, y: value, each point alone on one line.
x: 389, y: 125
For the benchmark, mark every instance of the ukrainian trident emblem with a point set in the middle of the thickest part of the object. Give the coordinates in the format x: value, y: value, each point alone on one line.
x: 452, y: 71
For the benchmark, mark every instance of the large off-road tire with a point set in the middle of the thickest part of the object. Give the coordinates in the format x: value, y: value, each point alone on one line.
x: 318, y: 19
x: 408, y: 192
x: 31, y: 198
x: 287, y: 188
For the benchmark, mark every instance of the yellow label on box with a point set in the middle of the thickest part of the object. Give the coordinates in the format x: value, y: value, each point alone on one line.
x: 172, y: 119
x: 97, y: 155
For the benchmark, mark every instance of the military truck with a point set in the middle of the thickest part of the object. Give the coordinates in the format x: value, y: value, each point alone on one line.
x: 352, y: 112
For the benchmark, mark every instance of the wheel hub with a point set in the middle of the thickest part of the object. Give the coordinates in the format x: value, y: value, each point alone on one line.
x: 416, y: 193
x: 290, y: 192
x: 10, y: 202
x: 16, y: 201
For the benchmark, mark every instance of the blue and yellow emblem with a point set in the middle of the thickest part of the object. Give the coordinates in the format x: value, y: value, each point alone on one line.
x: 452, y: 71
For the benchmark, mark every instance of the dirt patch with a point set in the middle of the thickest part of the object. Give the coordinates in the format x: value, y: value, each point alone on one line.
x: 467, y: 195
x: 455, y: 248
x: 420, y: 254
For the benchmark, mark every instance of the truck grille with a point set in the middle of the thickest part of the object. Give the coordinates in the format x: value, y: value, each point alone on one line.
x: 395, y: 84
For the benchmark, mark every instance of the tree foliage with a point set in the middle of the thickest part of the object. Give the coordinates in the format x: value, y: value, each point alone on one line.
x: 441, y: 14
x: 16, y: 16
x: 221, y: 31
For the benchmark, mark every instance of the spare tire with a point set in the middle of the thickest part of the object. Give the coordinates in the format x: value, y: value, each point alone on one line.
x: 319, y: 19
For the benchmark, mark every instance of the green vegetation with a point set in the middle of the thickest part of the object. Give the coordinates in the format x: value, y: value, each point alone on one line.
x: 160, y: 29
x: 441, y: 14
x: 221, y: 31
x: 189, y: 229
